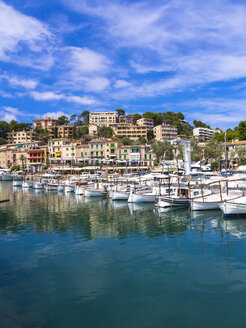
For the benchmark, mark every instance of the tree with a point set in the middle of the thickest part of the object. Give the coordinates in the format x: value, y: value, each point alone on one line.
x: 56, y: 132
x: 196, y: 150
x: 63, y: 120
x: 200, y: 124
x: 150, y: 135
x: 213, y: 150
x: 105, y: 132
x: 120, y: 112
x: 4, y: 129
x: 136, y: 117
x: 84, y: 116
x: 126, y: 141
x: 83, y: 131
x: 241, y: 130
x: 156, y: 117
x: 239, y: 153
x: 23, y: 160
x: 142, y: 140
x: 73, y: 119
x: 162, y: 149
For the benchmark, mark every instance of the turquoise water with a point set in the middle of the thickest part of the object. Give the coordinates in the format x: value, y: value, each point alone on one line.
x: 66, y: 261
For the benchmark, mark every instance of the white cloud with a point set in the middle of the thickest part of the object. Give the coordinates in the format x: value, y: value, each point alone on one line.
x: 198, y: 42
x: 23, y: 39
x: 85, y: 60
x: 121, y: 84
x: 17, y: 81
x: 50, y: 95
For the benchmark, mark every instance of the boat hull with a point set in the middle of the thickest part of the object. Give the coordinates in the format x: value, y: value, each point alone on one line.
x: 117, y: 195
x: 94, y: 193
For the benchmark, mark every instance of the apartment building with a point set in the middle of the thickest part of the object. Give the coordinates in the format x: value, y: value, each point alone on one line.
x: 19, y: 157
x: 93, y: 130
x: 148, y: 122
x: 103, y: 119
x: 6, y: 158
x: 65, y: 131
x: 18, y: 137
x: 133, y: 132
x: 165, y: 132
x: 137, y: 155
x: 203, y: 134
x: 126, y: 119
x: 102, y: 151
x: 47, y: 124
x: 38, y: 157
x: 61, y: 151
x: 82, y: 153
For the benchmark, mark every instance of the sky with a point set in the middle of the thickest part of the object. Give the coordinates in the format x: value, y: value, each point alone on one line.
x: 61, y: 57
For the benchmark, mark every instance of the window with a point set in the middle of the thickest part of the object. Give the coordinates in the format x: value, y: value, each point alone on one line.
x: 101, y: 153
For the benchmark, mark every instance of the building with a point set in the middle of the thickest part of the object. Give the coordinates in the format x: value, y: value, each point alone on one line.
x: 103, y: 118
x: 126, y: 119
x: 136, y: 156
x: 233, y: 146
x: 148, y: 122
x: 93, y: 130
x: 18, y: 137
x: 165, y: 132
x: 133, y: 132
x: 203, y: 134
x: 37, y: 157
x: 103, y: 151
x: 82, y: 152
x: 61, y: 151
x: 6, y: 158
x: 65, y: 131
x: 47, y: 124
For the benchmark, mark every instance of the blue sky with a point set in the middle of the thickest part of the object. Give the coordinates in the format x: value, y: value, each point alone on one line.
x: 65, y: 56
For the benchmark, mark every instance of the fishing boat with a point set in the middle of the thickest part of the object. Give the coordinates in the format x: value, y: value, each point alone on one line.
x: 178, y: 198
x: 27, y: 184
x: 234, y: 206
x: 212, y: 201
x: 38, y: 185
x: 69, y: 188
x: 136, y: 196
x: 17, y: 183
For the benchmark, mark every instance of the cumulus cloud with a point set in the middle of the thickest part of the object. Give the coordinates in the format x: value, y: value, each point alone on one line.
x: 23, y: 39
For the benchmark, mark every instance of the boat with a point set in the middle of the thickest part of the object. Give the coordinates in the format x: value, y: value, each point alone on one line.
x: 27, y: 184
x: 94, y: 192
x: 38, y: 185
x: 68, y: 188
x: 234, y: 206
x: 17, y: 183
x: 213, y: 200
x: 178, y: 198
x: 120, y: 195
x: 141, y: 197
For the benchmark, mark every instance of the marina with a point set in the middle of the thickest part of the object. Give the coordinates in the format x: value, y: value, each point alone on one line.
x: 67, y: 259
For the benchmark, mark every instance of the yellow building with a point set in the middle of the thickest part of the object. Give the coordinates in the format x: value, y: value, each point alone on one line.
x: 165, y: 132
x: 38, y: 156
x: 133, y: 132
x: 148, y: 122
x: 65, y: 131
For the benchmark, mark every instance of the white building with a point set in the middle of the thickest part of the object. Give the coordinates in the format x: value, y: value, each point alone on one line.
x: 103, y: 119
x: 203, y: 134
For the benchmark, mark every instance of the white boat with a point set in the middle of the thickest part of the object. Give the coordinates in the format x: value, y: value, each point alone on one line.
x: 79, y: 190
x: 27, y: 184
x: 141, y: 197
x: 212, y: 201
x: 69, y: 189
x: 60, y: 188
x: 234, y: 206
x: 38, y: 185
x: 178, y: 198
x: 94, y: 192
x: 17, y: 183
x: 6, y: 177
x: 120, y: 195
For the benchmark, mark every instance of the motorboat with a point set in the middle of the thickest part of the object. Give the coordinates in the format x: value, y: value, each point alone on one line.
x: 139, y: 196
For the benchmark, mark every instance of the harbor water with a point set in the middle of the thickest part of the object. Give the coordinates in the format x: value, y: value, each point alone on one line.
x: 69, y: 261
